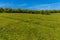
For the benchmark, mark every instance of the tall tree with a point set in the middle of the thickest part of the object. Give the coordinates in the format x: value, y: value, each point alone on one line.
x: 8, y: 10
x: 1, y: 10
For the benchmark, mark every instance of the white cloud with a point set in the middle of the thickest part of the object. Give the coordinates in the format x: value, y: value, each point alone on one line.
x: 2, y: 5
x: 5, y: 4
x: 22, y: 5
x: 10, y: 5
x: 46, y: 6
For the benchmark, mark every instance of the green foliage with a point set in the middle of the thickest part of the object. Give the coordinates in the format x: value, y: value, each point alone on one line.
x: 8, y: 10
x: 18, y: 10
x: 1, y: 10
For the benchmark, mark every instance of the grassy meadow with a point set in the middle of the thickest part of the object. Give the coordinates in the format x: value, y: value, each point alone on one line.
x: 15, y: 26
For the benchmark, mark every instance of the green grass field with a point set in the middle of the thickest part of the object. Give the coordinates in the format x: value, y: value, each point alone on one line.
x: 17, y: 26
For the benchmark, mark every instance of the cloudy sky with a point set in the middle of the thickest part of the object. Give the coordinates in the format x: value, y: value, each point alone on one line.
x: 31, y: 4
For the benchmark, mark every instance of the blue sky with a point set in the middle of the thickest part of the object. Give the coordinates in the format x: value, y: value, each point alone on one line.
x: 31, y: 4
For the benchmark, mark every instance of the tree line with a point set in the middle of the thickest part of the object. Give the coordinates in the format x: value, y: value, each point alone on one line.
x: 10, y: 10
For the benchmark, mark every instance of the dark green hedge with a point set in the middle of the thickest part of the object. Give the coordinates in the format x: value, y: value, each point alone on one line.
x: 10, y: 10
